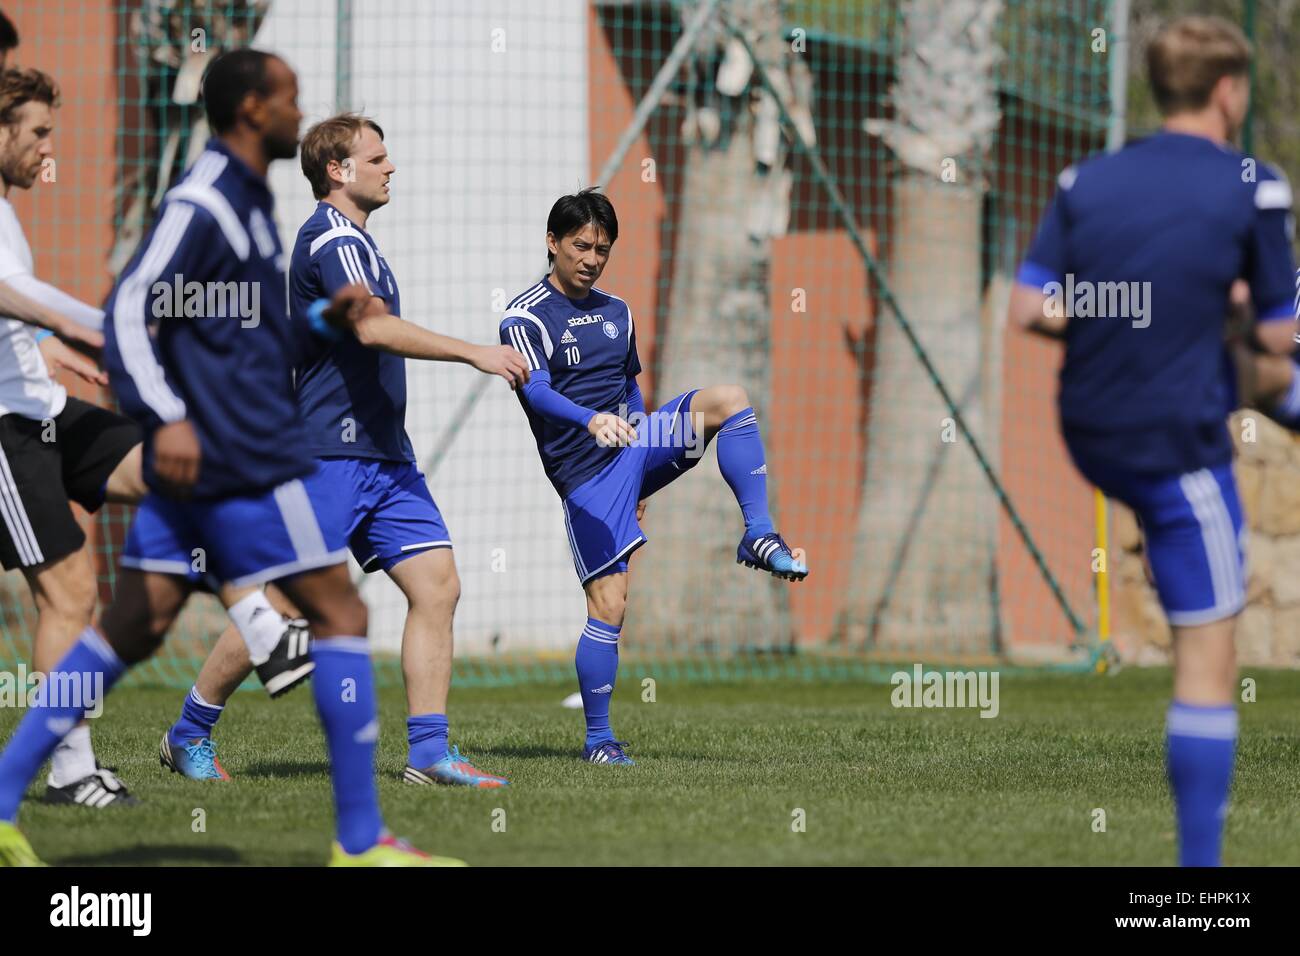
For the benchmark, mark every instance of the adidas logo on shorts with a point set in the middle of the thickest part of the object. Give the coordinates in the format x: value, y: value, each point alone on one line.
x: 760, y: 470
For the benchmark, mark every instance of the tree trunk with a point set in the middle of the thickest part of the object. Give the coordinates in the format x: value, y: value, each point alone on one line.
x: 924, y: 550
x: 688, y: 593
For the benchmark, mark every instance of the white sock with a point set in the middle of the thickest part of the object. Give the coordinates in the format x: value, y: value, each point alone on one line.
x: 73, y: 758
x: 259, y: 624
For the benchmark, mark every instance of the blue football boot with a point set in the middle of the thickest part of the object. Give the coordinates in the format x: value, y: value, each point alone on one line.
x: 196, y: 759
x: 608, y: 751
x: 769, y: 552
x: 455, y: 771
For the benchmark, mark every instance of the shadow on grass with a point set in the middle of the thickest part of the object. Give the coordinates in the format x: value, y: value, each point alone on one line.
x: 162, y: 854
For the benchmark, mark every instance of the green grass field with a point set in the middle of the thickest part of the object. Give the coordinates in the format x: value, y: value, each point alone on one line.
x: 721, y: 772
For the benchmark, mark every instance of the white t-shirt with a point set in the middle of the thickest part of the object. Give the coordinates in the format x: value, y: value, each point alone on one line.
x: 25, y: 385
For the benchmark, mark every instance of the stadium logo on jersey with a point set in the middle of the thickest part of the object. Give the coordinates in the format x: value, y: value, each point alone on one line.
x: 568, y: 338
x: 610, y: 329
x: 575, y: 320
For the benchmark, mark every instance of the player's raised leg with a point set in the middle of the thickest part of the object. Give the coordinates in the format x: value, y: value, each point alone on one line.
x: 432, y: 588
x: 724, y: 414
x: 596, y: 661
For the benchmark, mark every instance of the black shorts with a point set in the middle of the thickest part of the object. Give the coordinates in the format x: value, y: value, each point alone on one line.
x: 44, y: 466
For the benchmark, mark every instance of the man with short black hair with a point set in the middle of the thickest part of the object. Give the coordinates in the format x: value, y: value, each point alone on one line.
x: 581, y: 346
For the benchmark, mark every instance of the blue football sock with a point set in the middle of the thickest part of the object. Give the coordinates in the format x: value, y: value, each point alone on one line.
x: 597, y: 663
x: 344, y: 687
x: 744, y: 466
x: 81, y: 678
x: 426, y: 734
x: 1201, y: 743
x: 198, y: 717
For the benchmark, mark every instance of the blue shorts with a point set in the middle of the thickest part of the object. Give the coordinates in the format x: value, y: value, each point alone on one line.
x: 388, y: 513
x: 241, y: 541
x: 600, y: 514
x: 1195, y: 537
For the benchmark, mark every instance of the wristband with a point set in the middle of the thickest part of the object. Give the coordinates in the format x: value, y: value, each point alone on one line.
x: 43, y: 334
x: 317, y: 323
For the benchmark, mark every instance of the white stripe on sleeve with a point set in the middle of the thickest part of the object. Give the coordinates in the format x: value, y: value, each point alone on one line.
x: 129, y: 315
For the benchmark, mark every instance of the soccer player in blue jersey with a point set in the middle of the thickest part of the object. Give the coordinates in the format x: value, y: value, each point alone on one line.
x: 604, y: 455
x: 56, y: 449
x: 1132, y: 266
x: 352, y: 394
x: 225, y: 455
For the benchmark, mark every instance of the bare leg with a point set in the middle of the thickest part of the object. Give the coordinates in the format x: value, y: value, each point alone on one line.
x: 143, y: 610
x: 607, y: 598
x: 432, y: 589
x: 328, y: 601
x: 228, y: 663
x: 1205, y: 664
x: 126, y: 483
x: 712, y: 406
x: 64, y: 592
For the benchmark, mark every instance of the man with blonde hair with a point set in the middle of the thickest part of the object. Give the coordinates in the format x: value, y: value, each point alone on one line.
x: 352, y: 394
x: 1132, y: 267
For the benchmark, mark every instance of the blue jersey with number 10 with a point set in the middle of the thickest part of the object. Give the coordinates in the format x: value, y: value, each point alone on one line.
x: 588, y: 348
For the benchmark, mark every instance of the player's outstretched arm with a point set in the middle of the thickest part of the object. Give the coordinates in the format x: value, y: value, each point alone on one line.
x: 17, y: 305
x: 1277, y: 337
x: 54, y: 298
x: 377, y: 329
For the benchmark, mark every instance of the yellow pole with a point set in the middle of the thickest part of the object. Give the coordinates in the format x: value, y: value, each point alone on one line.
x: 1103, y: 583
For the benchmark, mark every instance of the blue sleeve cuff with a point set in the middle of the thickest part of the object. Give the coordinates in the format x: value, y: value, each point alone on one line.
x: 42, y: 334
x: 553, y: 406
x: 1032, y: 274
x: 1283, y: 310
